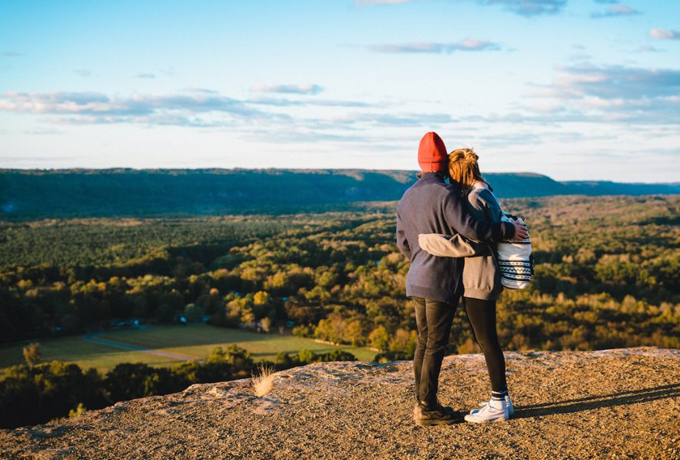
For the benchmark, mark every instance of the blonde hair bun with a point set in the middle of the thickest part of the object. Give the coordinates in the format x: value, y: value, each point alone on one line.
x: 471, y: 156
x: 464, y: 169
x: 465, y: 155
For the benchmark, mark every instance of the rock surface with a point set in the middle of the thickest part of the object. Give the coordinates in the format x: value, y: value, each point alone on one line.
x: 569, y: 405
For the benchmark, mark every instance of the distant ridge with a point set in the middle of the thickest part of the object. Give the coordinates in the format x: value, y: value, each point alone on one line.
x: 616, y: 188
x: 70, y: 193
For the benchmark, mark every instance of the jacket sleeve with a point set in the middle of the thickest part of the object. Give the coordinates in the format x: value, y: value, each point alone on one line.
x: 450, y: 246
x: 402, y: 242
x: 486, y: 202
x: 462, y: 221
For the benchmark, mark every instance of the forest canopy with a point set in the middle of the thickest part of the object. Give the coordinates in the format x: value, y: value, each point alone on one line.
x: 607, y: 275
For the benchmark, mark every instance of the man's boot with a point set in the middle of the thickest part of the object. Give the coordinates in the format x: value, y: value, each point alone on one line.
x: 429, y: 415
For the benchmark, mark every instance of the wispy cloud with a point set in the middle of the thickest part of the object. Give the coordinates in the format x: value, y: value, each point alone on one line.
x: 612, y: 82
x: 580, y: 57
x: 615, y: 93
x: 279, y: 102
x: 145, y: 75
x: 614, y: 11
x: 362, y: 129
x: 199, y: 90
x: 520, y: 7
x: 10, y: 54
x: 368, y: 119
x: 437, y: 48
x: 161, y: 109
x: 83, y: 72
x: 205, y: 108
x: 648, y: 49
x: 529, y: 7
x: 287, y: 89
x: 664, y: 34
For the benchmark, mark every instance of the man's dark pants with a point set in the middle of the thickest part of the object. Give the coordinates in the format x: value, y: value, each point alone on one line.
x: 434, y: 326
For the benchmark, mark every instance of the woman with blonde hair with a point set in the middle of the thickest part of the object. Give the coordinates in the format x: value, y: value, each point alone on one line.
x: 481, y: 279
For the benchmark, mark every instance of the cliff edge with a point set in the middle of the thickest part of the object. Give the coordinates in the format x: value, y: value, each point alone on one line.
x: 569, y: 405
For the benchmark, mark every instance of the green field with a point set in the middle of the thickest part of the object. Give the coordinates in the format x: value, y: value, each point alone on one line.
x: 193, y: 341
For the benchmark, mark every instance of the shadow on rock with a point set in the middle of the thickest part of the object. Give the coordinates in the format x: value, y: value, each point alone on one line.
x: 596, y: 402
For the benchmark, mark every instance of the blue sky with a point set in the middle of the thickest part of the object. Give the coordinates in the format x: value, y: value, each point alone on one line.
x: 575, y: 89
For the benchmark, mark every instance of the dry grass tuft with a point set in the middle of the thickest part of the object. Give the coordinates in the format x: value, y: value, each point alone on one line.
x: 263, y: 380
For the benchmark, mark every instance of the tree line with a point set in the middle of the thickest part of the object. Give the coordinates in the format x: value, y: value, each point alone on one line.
x: 36, y: 393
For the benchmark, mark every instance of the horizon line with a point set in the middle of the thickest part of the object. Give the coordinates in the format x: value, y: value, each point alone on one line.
x: 237, y: 168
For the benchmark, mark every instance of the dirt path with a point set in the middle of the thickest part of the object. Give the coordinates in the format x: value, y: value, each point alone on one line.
x: 619, y: 404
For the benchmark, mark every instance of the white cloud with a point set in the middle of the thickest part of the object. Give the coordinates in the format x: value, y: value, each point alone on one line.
x: 614, y: 93
x: 614, y: 82
x: 89, y: 107
x: 385, y: 119
x: 546, y: 107
x: 529, y: 7
x: 616, y: 10
x: 83, y: 72
x: 520, y: 7
x: 663, y: 34
x: 648, y: 49
x: 287, y: 89
x: 206, y: 108
x: 280, y: 102
x: 468, y: 44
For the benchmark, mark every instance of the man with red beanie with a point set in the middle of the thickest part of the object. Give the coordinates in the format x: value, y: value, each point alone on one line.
x: 435, y: 283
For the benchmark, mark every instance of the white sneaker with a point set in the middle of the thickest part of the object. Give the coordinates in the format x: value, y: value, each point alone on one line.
x: 493, y: 411
x: 508, y: 402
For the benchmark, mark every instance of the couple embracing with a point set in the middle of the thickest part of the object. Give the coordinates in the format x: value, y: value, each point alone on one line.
x: 445, y: 230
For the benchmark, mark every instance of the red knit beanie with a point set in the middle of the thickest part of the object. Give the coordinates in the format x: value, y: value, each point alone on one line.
x: 432, y: 155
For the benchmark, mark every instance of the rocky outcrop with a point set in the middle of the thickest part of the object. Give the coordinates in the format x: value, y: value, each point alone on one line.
x: 569, y: 405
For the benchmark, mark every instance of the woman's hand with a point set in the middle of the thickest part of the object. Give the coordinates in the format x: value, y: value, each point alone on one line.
x: 521, y: 231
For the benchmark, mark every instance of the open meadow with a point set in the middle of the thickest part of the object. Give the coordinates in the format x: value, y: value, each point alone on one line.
x: 147, y: 345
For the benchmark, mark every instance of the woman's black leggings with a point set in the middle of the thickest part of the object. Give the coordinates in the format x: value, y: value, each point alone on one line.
x: 482, y: 317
